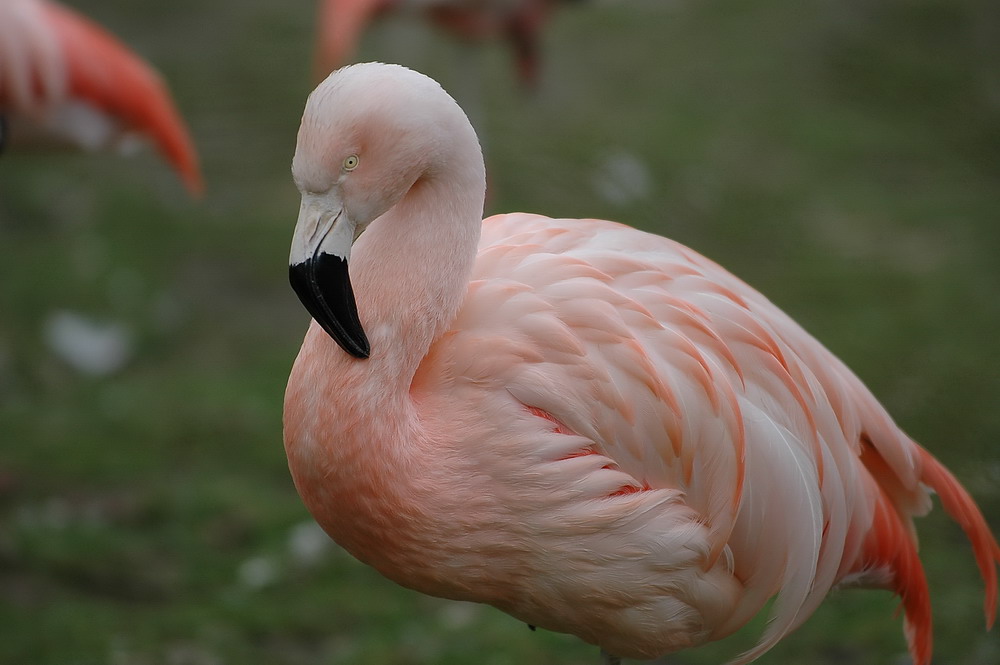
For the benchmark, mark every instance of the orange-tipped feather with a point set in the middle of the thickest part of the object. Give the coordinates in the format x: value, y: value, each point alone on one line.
x: 889, y: 544
x: 962, y: 508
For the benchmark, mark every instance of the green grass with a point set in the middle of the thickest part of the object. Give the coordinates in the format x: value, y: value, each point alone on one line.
x: 842, y: 157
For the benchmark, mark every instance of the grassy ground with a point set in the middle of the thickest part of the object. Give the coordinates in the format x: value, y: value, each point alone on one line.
x: 843, y: 157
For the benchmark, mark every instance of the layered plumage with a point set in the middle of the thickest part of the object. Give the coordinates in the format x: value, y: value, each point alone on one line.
x: 65, y: 81
x: 519, y: 22
x: 594, y: 429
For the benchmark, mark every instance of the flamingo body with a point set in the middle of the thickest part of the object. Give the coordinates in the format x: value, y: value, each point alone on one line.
x: 594, y: 429
x: 66, y: 81
x: 520, y: 22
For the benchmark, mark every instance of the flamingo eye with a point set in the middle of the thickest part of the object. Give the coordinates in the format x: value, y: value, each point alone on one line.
x: 351, y: 163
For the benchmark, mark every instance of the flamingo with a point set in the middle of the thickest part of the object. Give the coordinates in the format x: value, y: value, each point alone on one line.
x: 520, y: 22
x: 65, y: 81
x: 594, y: 429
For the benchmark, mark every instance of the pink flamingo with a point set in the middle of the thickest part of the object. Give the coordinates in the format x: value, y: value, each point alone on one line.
x: 341, y: 23
x: 594, y: 429
x: 65, y: 81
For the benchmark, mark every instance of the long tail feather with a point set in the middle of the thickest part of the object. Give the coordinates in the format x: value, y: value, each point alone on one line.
x: 890, y: 545
x: 963, y: 509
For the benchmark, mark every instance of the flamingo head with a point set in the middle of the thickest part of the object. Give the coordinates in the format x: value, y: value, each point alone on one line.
x: 369, y: 133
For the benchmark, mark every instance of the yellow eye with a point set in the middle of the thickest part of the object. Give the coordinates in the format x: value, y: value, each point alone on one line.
x: 351, y: 163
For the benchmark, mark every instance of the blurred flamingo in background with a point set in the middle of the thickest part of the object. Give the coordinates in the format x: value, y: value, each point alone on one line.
x: 67, y: 82
x: 594, y: 429
x: 520, y: 22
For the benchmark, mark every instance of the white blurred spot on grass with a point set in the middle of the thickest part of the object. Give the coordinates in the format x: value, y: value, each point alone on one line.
x: 622, y: 178
x: 308, y: 544
x: 258, y: 572
x: 53, y: 513
x: 92, y: 347
x: 457, y: 615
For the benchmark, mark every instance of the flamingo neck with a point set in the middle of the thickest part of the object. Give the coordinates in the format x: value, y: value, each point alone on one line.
x: 350, y: 422
x: 411, y: 267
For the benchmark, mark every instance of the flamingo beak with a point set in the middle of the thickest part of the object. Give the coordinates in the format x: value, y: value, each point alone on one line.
x: 321, y: 247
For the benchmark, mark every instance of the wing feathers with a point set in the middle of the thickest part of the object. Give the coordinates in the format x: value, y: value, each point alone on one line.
x: 688, y: 380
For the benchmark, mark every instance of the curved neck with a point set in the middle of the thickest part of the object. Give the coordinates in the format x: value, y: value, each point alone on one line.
x: 410, y: 268
x: 352, y: 434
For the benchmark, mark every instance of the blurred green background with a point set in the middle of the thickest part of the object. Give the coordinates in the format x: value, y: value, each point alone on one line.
x: 842, y: 156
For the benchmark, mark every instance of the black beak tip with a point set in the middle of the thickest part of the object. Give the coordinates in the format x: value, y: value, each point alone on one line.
x: 323, y: 285
x: 355, y: 343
